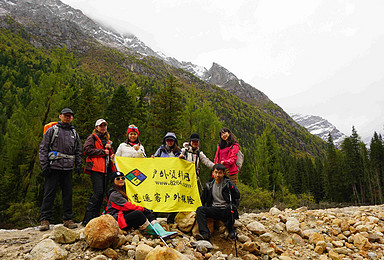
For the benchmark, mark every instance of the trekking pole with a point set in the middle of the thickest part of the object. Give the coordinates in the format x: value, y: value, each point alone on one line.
x: 233, y: 220
x: 158, y: 234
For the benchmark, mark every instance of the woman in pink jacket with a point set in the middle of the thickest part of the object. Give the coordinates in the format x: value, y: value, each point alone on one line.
x: 226, y: 153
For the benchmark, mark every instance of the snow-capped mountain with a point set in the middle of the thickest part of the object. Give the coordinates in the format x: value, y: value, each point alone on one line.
x: 317, y: 125
x: 61, y: 18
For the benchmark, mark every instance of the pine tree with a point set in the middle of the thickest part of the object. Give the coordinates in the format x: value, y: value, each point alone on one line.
x: 376, y: 155
x: 167, y: 109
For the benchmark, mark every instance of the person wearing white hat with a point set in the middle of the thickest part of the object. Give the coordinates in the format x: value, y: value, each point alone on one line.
x: 99, y: 152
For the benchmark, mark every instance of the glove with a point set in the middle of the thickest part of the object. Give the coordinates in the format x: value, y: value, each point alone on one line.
x: 47, y: 171
x: 147, y: 211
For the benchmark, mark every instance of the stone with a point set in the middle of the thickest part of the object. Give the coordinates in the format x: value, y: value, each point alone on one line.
x: 100, y: 257
x: 101, y: 232
x: 250, y: 247
x: 334, y: 256
x: 48, y: 249
x: 285, y: 258
x: 210, y: 224
x: 337, y: 243
x: 250, y: 257
x: 320, y: 247
x: 274, y: 211
x: 361, y: 242
x: 293, y: 225
x: 266, y: 237
x: 185, y: 221
x: 257, y: 228
x: 121, y: 240
x: 243, y: 238
x: 165, y: 253
x: 297, y: 239
x: 315, y: 237
x: 110, y: 253
x: 142, y: 250
x: 64, y: 235
x: 278, y: 228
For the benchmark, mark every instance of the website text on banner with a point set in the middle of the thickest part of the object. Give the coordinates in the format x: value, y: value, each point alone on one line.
x: 161, y: 184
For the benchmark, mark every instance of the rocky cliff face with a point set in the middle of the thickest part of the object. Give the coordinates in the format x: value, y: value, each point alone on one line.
x: 317, y: 125
x: 59, y: 24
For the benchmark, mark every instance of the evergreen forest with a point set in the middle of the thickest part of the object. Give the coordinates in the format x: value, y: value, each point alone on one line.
x: 284, y: 165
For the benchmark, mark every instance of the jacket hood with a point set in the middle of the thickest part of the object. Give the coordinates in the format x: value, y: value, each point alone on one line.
x: 171, y: 136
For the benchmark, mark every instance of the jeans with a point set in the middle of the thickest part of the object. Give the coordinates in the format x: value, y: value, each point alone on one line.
x: 52, y: 180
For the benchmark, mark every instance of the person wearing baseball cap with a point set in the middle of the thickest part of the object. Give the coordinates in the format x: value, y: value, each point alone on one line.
x: 132, y: 146
x: 60, y: 153
x: 99, y: 152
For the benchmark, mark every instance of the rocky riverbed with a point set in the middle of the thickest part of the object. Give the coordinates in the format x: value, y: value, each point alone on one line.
x: 337, y: 233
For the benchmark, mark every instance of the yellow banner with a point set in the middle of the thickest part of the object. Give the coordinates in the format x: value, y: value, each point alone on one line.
x: 161, y: 184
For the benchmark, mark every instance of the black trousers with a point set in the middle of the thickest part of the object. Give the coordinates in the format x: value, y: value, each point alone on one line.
x: 137, y: 218
x: 225, y: 215
x: 52, y: 180
x: 96, y: 199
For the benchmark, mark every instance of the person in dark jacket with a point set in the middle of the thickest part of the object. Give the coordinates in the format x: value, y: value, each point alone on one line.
x: 60, y: 153
x: 128, y: 214
x: 220, y: 199
x: 98, y: 149
x: 169, y: 147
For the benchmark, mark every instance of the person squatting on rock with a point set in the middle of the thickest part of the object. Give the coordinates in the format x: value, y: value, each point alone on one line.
x: 60, y: 153
x: 226, y: 153
x: 99, y: 152
x: 169, y: 147
x: 220, y: 199
x: 132, y: 146
x: 129, y: 215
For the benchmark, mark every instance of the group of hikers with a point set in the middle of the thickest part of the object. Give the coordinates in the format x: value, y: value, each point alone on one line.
x: 61, y: 152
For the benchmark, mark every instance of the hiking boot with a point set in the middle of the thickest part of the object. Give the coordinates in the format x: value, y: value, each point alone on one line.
x: 44, y: 225
x: 199, y: 236
x: 231, y: 234
x: 70, y: 224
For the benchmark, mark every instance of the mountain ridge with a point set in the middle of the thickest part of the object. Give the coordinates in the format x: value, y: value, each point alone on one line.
x: 320, y: 127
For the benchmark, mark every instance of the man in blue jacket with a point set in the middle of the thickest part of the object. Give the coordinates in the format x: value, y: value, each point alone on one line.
x: 220, y: 199
x: 60, y: 153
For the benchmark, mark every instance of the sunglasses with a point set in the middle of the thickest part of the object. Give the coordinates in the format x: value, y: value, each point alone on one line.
x: 132, y: 127
x: 169, y: 140
x: 119, y: 178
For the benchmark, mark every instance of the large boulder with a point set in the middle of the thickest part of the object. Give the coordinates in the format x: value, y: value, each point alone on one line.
x: 210, y: 224
x: 185, y: 221
x: 48, y: 249
x: 101, y: 232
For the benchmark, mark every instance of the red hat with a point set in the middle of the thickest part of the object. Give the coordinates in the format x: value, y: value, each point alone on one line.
x: 132, y: 128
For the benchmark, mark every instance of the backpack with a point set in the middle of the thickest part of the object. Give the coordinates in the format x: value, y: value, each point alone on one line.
x: 239, y: 160
x: 55, y: 132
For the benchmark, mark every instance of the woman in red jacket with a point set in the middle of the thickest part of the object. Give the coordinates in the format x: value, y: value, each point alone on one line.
x: 98, y: 164
x: 226, y: 154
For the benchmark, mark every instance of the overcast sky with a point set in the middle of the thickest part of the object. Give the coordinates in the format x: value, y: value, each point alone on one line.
x: 323, y: 58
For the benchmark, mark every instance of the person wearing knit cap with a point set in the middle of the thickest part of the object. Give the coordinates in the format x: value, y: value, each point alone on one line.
x: 169, y: 147
x: 132, y: 146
